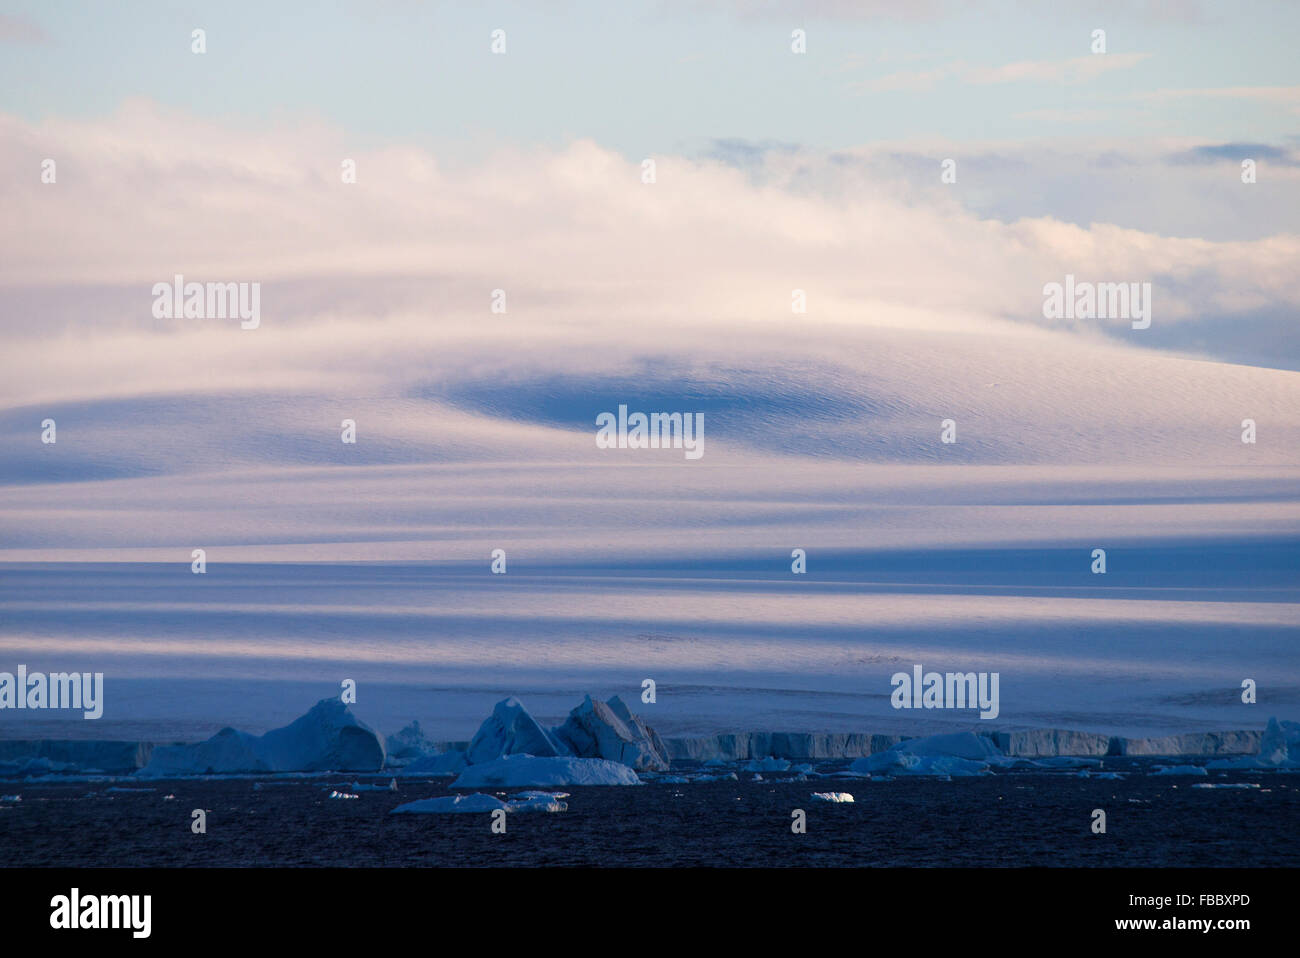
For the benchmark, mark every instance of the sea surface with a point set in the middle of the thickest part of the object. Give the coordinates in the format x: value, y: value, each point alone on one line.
x: 1010, y: 818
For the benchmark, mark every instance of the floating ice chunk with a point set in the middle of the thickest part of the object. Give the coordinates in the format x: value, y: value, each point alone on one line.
x: 329, y: 736
x: 609, y: 730
x: 528, y: 796
x: 511, y: 730
x: 965, y: 745
x: 768, y: 764
x: 1180, y: 770
x: 435, y: 766
x: 538, y: 803
x: 958, y: 753
x: 1279, y: 748
x: 408, y: 744
x: 362, y: 787
x: 522, y: 771
x: 33, y: 766
x: 119, y: 790
x: 832, y: 796
x: 478, y: 802
x: 894, y: 762
x: 1066, y: 761
x: 1225, y: 785
x: 11, y: 798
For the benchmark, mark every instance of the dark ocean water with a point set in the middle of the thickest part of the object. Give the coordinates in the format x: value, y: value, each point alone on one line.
x: 1008, y: 819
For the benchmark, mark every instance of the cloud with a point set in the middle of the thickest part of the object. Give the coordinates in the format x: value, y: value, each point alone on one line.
x: 835, y: 10
x: 1234, y: 153
x: 19, y: 30
x: 1287, y: 97
x: 384, y: 286
x: 1071, y: 71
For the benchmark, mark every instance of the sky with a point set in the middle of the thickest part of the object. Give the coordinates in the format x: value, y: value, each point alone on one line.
x: 654, y: 76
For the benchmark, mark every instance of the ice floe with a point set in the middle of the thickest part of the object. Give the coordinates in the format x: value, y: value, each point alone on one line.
x: 445, y: 804
x: 521, y: 771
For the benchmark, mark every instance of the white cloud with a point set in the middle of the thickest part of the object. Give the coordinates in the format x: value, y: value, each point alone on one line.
x: 1071, y: 71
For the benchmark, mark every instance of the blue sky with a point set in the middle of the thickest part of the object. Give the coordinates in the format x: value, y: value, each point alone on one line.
x: 656, y: 76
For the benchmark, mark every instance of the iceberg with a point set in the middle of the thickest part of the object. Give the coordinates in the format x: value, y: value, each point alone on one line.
x: 896, y: 762
x: 408, y: 744
x: 434, y: 766
x: 957, y: 753
x: 511, y: 730
x: 537, y: 803
x: 1226, y: 785
x: 523, y: 771
x: 1275, y: 749
x: 532, y: 795
x: 609, y: 730
x: 17, y: 755
x: 39, y: 765
x: 768, y: 764
x: 832, y: 796
x: 1180, y: 770
x: 328, y: 737
x: 477, y: 802
x: 1066, y: 761
x: 725, y: 777
x: 227, y: 751
x: 965, y: 745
